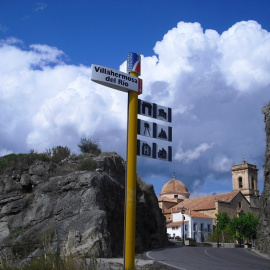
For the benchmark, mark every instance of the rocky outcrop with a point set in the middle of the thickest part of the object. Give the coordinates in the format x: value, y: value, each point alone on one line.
x: 79, y: 212
x: 263, y: 230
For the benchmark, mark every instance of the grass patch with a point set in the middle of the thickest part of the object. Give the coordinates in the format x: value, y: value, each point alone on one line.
x: 52, y: 261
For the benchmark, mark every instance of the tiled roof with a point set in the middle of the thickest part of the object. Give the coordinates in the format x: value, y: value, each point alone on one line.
x: 205, y: 202
x: 199, y: 215
x: 188, y: 212
x: 166, y: 199
x: 173, y: 224
x: 174, y: 187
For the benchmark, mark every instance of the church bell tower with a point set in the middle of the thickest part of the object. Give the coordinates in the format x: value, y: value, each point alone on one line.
x: 245, y: 179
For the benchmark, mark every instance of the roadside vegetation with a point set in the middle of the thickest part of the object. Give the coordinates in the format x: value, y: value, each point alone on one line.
x: 242, y: 229
x: 89, y: 148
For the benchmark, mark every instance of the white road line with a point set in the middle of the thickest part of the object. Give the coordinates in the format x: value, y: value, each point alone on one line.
x: 147, y: 254
x: 205, y: 251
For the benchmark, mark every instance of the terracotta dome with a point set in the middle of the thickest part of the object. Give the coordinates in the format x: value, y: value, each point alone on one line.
x: 174, y: 187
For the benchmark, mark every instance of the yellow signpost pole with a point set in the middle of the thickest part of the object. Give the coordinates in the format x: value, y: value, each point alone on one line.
x: 127, y: 83
x: 111, y: 78
x: 131, y: 177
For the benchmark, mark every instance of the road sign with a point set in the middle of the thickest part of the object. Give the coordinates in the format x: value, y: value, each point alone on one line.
x: 153, y: 150
x: 116, y: 79
x: 154, y: 130
x: 155, y: 111
x: 162, y: 152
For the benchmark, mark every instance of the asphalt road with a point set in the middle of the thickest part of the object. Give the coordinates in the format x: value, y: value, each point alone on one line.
x: 205, y: 258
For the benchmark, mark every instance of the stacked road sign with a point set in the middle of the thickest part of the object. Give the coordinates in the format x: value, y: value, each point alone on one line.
x: 133, y: 85
x: 154, y: 130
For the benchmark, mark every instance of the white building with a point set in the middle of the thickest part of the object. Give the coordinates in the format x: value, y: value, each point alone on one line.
x: 196, y: 225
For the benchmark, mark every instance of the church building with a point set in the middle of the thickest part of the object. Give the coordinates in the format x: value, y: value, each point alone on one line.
x: 196, y: 216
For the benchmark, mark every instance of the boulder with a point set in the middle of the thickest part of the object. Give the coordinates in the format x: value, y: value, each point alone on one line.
x: 81, y: 212
x: 39, y: 168
x: 25, y: 180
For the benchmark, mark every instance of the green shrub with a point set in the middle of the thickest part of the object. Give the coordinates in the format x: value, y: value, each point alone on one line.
x: 87, y: 165
x: 5, y: 160
x: 89, y: 146
x: 43, y: 157
x: 52, y: 261
x: 21, y: 250
x: 58, y: 153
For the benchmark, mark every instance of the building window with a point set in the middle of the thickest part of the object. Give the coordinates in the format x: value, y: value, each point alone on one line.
x: 240, y: 205
x: 240, y: 182
x: 209, y: 227
x: 194, y: 227
x: 202, y: 229
x: 173, y: 228
x: 252, y: 183
x: 175, y: 196
x: 186, y: 227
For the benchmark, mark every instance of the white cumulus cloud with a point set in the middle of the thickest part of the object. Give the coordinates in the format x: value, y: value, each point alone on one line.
x: 221, y: 164
x: 216, y: 85
x: 191, y: 154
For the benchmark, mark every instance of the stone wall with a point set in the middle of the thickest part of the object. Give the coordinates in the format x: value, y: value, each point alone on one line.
x: 263, y: 232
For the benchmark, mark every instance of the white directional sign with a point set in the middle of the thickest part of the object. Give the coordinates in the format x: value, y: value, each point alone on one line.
x: 155, y: 111
x: 116, y: 79
x: 154, y: 130
x: 162, y: 152
x: 146, y: 128
x: 153, y: 150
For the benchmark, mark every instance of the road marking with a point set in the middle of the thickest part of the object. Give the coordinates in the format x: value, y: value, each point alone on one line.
x: 205, y: 251
x: 147, y: 254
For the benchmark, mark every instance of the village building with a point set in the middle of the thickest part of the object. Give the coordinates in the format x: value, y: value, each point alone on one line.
x: 195, y: 217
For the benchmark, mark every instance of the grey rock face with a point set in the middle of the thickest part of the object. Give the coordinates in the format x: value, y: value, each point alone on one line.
x: 263, y: 230
x: 25, y: 180
x: 39, y: 168
x: 81, y: 212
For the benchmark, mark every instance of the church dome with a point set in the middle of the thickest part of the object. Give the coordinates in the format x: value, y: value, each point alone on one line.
x: 174, y: 187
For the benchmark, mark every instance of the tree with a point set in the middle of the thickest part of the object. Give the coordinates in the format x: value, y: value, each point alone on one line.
x: 235, y: 228
x: 249, y: 226
x: 244, y: 227
x: 89, y: 146
x: 223, y: 222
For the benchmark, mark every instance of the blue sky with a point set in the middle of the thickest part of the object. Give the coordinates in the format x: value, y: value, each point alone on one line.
x: 207, y: 60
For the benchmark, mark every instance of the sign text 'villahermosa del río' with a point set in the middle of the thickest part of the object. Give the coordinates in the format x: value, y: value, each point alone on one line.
x: 116, y: 79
